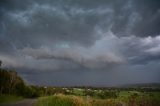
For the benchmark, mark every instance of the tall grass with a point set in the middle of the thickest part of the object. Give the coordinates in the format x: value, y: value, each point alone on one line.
x: 124, y: 99
x: 63, y: 100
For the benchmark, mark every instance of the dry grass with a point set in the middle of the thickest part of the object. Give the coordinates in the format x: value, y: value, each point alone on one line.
x: 70, y: 100
x: 77, y: 101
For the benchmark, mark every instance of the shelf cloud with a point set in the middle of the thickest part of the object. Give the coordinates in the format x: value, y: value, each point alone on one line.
x: 94, y: 42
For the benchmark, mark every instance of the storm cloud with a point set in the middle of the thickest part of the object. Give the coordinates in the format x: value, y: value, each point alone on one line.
x: 77, y: 42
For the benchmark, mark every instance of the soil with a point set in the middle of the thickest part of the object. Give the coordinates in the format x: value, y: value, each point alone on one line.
x: 26, y: 102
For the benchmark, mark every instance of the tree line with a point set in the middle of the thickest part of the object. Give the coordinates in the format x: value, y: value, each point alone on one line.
x: 12, y: 84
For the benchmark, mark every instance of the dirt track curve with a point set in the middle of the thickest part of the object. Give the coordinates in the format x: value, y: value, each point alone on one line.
x: 27, y: 102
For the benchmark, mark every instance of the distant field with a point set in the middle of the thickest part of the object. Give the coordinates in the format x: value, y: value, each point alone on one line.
x: 10, y: 98
x: 101, y: 98
x: 135, y: 98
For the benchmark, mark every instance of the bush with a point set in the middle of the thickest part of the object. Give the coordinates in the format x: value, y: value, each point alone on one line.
x: 61, y: 100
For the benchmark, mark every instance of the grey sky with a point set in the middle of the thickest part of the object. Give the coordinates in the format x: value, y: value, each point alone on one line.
x: 81, y: 42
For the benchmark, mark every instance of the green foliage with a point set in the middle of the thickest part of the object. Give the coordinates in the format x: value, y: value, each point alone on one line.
x: 78, y: 91
x: 89, y: 92
x: 12, y: 84
x: 143, y: 99
x: 10, y: 98
x: 28, y: 92
x: 136, y: 98
x: 63, y: 100
x: 102, y: 94
x: 54, y: 101
x: 107, y: 94
x: 106, y: 98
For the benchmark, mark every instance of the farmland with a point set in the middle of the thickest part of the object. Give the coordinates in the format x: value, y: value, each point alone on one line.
x: 101, y: 97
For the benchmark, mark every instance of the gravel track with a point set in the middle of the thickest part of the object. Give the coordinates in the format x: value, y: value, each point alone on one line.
x: 26, y: 102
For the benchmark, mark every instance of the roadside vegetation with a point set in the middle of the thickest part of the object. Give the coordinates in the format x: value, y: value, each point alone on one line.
x: 123, y: 98
x: 10, y: 98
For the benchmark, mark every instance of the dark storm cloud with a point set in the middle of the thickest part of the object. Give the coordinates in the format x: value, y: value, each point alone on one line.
x: 74, y: 24
x: 95, y: 37
x: 143, y: 50
x: 77, y: 21
x: 140, y: 18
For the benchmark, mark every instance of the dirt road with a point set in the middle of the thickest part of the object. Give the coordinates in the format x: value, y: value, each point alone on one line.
x: 27, y: 102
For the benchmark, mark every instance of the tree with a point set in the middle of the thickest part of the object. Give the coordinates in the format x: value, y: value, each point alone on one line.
x: 10, y: 82
x: 14, y: 80
x: 0, y: 63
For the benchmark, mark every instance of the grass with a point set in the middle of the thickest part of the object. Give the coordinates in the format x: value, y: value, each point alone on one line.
x: 70, y: 100
x: 78, y: 92
x: 127, y: 98
x: 9, y: 98
x: 127, y: 93
x: 140, y: 98
x: 61, y: 100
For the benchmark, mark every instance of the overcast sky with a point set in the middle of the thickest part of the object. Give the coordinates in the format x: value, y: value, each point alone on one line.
x: 81, y: 42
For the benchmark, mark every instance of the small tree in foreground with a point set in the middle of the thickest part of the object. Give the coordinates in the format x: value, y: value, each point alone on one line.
x: 0, y: 63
